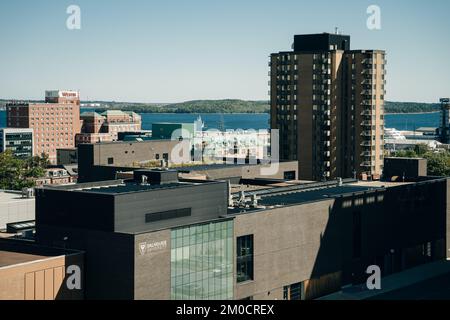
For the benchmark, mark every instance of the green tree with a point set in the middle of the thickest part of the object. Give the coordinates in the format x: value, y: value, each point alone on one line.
x: 16, y: 174
x: 421, y: 150
x: 438, y: 163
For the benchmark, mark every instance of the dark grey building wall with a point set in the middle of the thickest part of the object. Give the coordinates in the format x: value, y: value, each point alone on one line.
x: 66, y: 156
x: 320, y: 42
x: 75, y: 209
x: 309, y: 241
x: 109, y: 259
x: 85, y: 162
x: 287, y: 242
x: 392, y: 222
x: 206, y: 201
x: 399, y: 167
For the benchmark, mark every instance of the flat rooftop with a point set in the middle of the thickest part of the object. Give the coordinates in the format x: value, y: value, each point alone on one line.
x: 13, y: 252
x: 127, y: 187
x: 10, y: 197
x: 290, y: 198
x: 9, y: 258
x: 288, y: 195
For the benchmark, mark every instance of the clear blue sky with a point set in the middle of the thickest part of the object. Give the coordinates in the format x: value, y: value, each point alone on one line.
x: 169, y: 51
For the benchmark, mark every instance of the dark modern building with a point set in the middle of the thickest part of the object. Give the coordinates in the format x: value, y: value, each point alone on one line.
x: 66, y: 156
x: 138, y: 235
x: 157, y: 237
x: 327, y: 101
x: 405, y: 169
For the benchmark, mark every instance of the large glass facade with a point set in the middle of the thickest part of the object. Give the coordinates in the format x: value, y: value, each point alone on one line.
x: 202, y: 262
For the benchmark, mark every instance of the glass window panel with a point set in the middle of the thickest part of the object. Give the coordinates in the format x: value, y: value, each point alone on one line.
x: 202, y: 267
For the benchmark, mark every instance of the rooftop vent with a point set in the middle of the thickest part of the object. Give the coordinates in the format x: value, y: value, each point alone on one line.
x: 27, y: 193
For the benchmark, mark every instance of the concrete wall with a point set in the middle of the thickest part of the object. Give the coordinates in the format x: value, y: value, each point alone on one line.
x: 247, y: 171
x: 206, y: 202
x: 122, y: 154
x: 125, y: 153
x: 15, y: 209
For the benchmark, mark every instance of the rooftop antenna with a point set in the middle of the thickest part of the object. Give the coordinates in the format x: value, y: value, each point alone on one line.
x: 230, y: 195
x: 242, y: 198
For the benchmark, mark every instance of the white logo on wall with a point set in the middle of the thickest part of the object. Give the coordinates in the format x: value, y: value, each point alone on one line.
x: 145, y: 247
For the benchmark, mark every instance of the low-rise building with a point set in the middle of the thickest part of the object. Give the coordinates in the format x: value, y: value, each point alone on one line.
x: 16, y: 206
x: 105, y: 127
x: 18, y: 140
x: 101, y: 161
x: 56, y: 176
x: 32, y: 272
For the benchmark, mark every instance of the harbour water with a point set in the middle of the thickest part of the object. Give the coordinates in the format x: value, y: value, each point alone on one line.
x: 261, y: 121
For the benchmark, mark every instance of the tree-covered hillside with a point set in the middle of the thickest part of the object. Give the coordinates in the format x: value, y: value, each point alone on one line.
x: 234, y: 106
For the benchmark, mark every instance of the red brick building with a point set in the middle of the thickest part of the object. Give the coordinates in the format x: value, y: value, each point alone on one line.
x: 55, y: 122
x: 106, y: 126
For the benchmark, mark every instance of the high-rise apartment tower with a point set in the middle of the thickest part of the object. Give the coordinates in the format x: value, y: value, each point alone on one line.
x: 328, y: 103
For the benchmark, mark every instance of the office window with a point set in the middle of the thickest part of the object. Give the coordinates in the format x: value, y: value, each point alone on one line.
x: 294, y: 292
x: 110, y: 160
x: 244, y: 252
